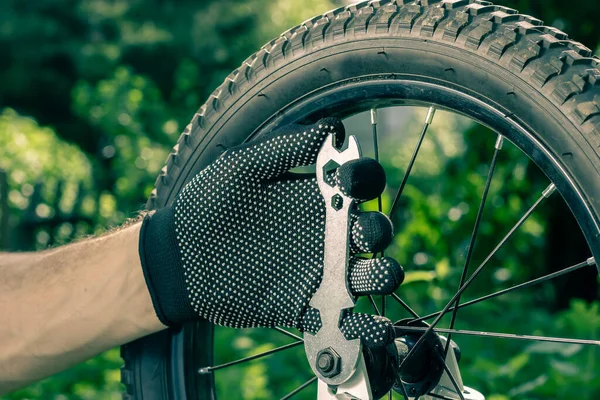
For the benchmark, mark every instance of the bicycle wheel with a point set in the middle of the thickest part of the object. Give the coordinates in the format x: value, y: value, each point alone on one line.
x: 526, y: 82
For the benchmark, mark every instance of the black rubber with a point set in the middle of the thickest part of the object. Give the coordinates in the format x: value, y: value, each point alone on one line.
x: 163, y: 268
x: 532, y: 73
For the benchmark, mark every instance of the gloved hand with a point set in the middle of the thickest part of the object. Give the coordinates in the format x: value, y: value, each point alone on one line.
x: 242, y: 245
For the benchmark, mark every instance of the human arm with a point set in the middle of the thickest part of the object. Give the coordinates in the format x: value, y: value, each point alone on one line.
x: 62, y: 306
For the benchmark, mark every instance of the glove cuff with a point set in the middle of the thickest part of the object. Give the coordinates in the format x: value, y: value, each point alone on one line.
x: 163, y: 269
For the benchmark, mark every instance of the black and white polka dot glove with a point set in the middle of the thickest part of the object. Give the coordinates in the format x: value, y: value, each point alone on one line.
x: 243, y: 243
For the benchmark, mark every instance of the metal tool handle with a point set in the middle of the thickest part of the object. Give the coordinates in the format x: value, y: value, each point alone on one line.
x: 333, y: 296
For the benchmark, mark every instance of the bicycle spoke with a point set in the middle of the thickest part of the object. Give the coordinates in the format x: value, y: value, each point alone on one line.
x: 486, y: 190
x: 437, y: 396
x: 450, y: 375
x: 545, y: 194
x: 589, y: 262
x: 372, y: 301
x: 586, y: 342
x: 396, y: 372
x: 206, y: 370
x: 299, y: 388
x: 290, y: 334
x: 403, y: 390
x: 379, y: 201
x: 406, y: 306
x: 376, y: 146
x: 428, y: 120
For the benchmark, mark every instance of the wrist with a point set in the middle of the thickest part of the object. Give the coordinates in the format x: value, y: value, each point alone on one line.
x: 163, y: 269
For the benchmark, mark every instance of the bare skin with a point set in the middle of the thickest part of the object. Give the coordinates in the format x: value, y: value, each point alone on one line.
x: 62, y: 306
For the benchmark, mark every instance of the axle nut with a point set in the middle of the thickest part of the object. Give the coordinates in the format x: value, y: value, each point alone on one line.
x: 328, y: 363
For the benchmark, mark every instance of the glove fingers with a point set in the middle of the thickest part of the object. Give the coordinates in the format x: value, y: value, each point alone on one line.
x: 371, y: 232
x: 310, y: 321
x: 374, y: 275
x: 372, y: 330
x: 362, y: 179
x: 286, y: 148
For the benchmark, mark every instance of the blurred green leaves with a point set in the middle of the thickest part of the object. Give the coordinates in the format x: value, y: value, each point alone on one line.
x: 32, y: 153
x: 130, y: 110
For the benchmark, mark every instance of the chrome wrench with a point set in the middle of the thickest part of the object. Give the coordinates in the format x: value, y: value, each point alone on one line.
x: 333, y: 296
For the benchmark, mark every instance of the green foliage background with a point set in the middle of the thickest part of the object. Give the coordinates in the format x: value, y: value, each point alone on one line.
x: 93, y: 93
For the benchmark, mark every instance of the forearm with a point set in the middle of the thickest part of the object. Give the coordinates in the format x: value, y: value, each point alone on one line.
x: 65, y: 305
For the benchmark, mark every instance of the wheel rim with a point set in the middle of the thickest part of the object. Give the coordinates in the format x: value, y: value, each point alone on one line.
x: 347, y: 98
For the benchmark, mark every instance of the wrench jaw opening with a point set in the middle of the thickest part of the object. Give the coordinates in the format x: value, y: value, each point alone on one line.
x: 329, y: 153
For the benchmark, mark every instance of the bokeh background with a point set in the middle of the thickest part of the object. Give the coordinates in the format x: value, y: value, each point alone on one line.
x: 94, y: 93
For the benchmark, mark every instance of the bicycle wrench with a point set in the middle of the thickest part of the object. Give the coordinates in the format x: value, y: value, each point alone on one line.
x: 333, y: 295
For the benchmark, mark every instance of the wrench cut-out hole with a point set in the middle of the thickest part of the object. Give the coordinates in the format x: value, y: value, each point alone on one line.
x: 337, y: 202
x: 329, y: 171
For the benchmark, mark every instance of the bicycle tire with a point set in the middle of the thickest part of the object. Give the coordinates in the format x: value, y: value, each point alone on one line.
x: 531, y: 73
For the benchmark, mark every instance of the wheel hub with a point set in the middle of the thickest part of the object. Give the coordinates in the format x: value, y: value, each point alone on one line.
x: 422, y: 371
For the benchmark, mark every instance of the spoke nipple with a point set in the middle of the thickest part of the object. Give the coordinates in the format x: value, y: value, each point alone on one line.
x: 205, y: 370
x: 549, y: 190
x: 373, y: 116
x: 430, y: 115
x: 591, y: 261
x: 499, y: 142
